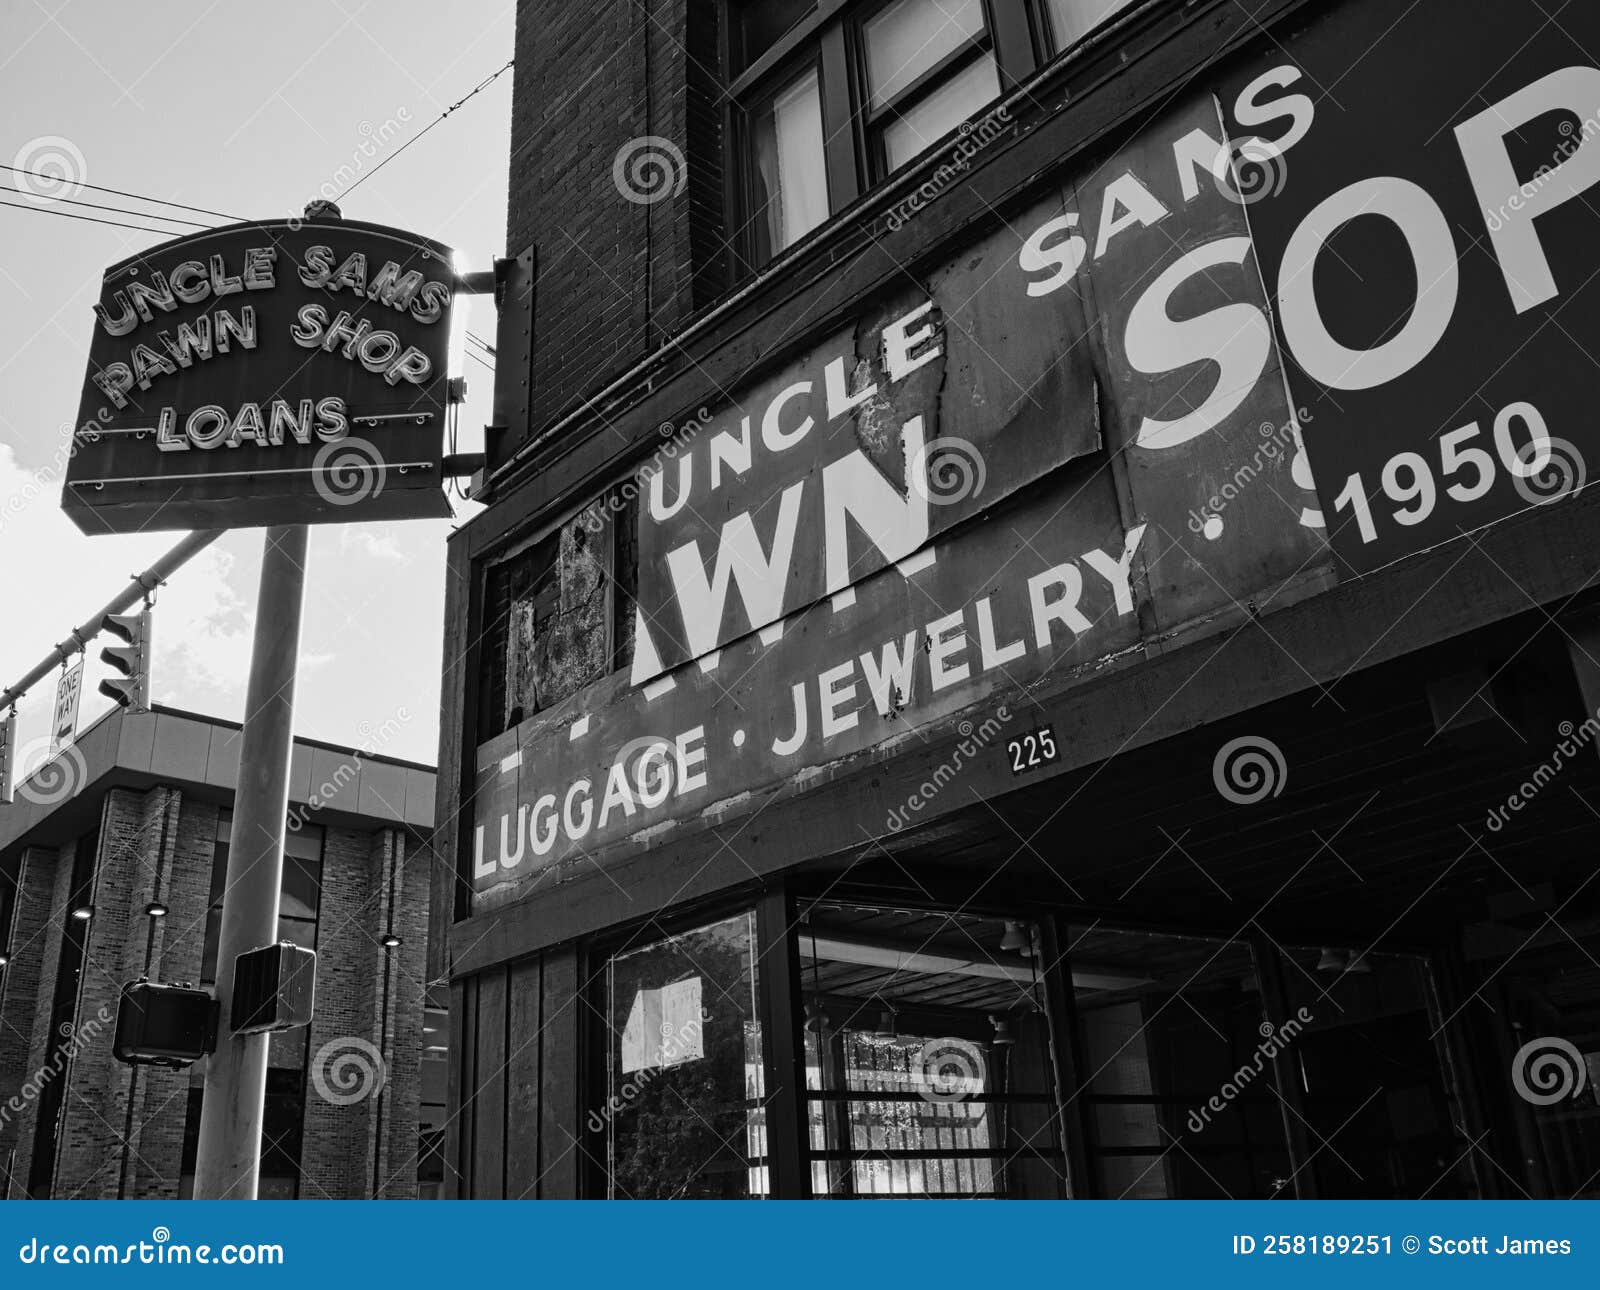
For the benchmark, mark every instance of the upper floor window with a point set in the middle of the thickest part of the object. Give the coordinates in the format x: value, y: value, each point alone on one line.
x: 832, y: 96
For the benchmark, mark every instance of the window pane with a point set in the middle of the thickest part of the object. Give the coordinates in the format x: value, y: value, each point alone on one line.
x: 792, y: 184
x: 760, y: 24
x: 1071, y: 20
x: 684, y: 1084
x: 1168, y: 1024
x: 933, y: 117
x: 1395, y: 1118
x: 911, y: 36
x: 927, y: 1056
x: 302, y: 886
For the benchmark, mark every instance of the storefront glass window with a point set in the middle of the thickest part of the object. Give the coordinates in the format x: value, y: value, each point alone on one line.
x: 927, y: 1056
x: 684, y: 1084
x: 1373, y: 1081
x: 1546, y: 1014
x: 1168, y: 1025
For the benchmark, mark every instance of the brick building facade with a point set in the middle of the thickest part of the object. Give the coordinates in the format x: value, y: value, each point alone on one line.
x: 134, y: 818
x: 983, y: 613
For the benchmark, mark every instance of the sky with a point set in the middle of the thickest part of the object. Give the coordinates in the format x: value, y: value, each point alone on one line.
x: 249, y: 110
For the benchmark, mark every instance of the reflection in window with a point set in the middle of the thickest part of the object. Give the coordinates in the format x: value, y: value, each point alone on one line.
x: 791, y: 183
x: 1167, y: 1021
x: 1071, y: 20
x: 684, y: 1084
x: 927, y: 1056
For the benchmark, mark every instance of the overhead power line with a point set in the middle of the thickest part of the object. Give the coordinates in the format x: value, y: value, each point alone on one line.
x: 117, y: 192
x: 96, y: 206
x: 475, y: 90
x: 114, y: 223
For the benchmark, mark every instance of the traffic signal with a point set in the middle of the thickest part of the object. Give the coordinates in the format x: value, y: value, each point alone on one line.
x: 164, y: 1025
x: 274, y: 988
x: 132, y: 689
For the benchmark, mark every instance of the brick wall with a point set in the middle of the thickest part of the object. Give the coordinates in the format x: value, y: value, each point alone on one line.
x: 38, y: 1021
x: 19, y: 998
x: 123, y: 1128
x: 615, y: 277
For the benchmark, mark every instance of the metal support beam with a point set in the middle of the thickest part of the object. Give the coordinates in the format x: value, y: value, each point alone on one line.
x: 228, y: 1161
x: 134, y: 593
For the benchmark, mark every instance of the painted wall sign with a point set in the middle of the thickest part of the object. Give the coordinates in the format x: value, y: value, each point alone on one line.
x: 974, y: 382
x: 266, y: 373
x: 1429, y: 224
x: 816, y: 591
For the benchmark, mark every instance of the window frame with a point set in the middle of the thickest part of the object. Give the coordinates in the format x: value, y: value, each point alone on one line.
x: 854, y: 161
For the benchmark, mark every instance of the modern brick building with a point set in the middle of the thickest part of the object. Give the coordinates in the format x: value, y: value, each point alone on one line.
x: 111, y: 869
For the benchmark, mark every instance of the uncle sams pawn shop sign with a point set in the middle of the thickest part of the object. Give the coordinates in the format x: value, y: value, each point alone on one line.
x: 286, y: 372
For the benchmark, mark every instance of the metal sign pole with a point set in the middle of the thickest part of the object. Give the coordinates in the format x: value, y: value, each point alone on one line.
x: 228, y: 1162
